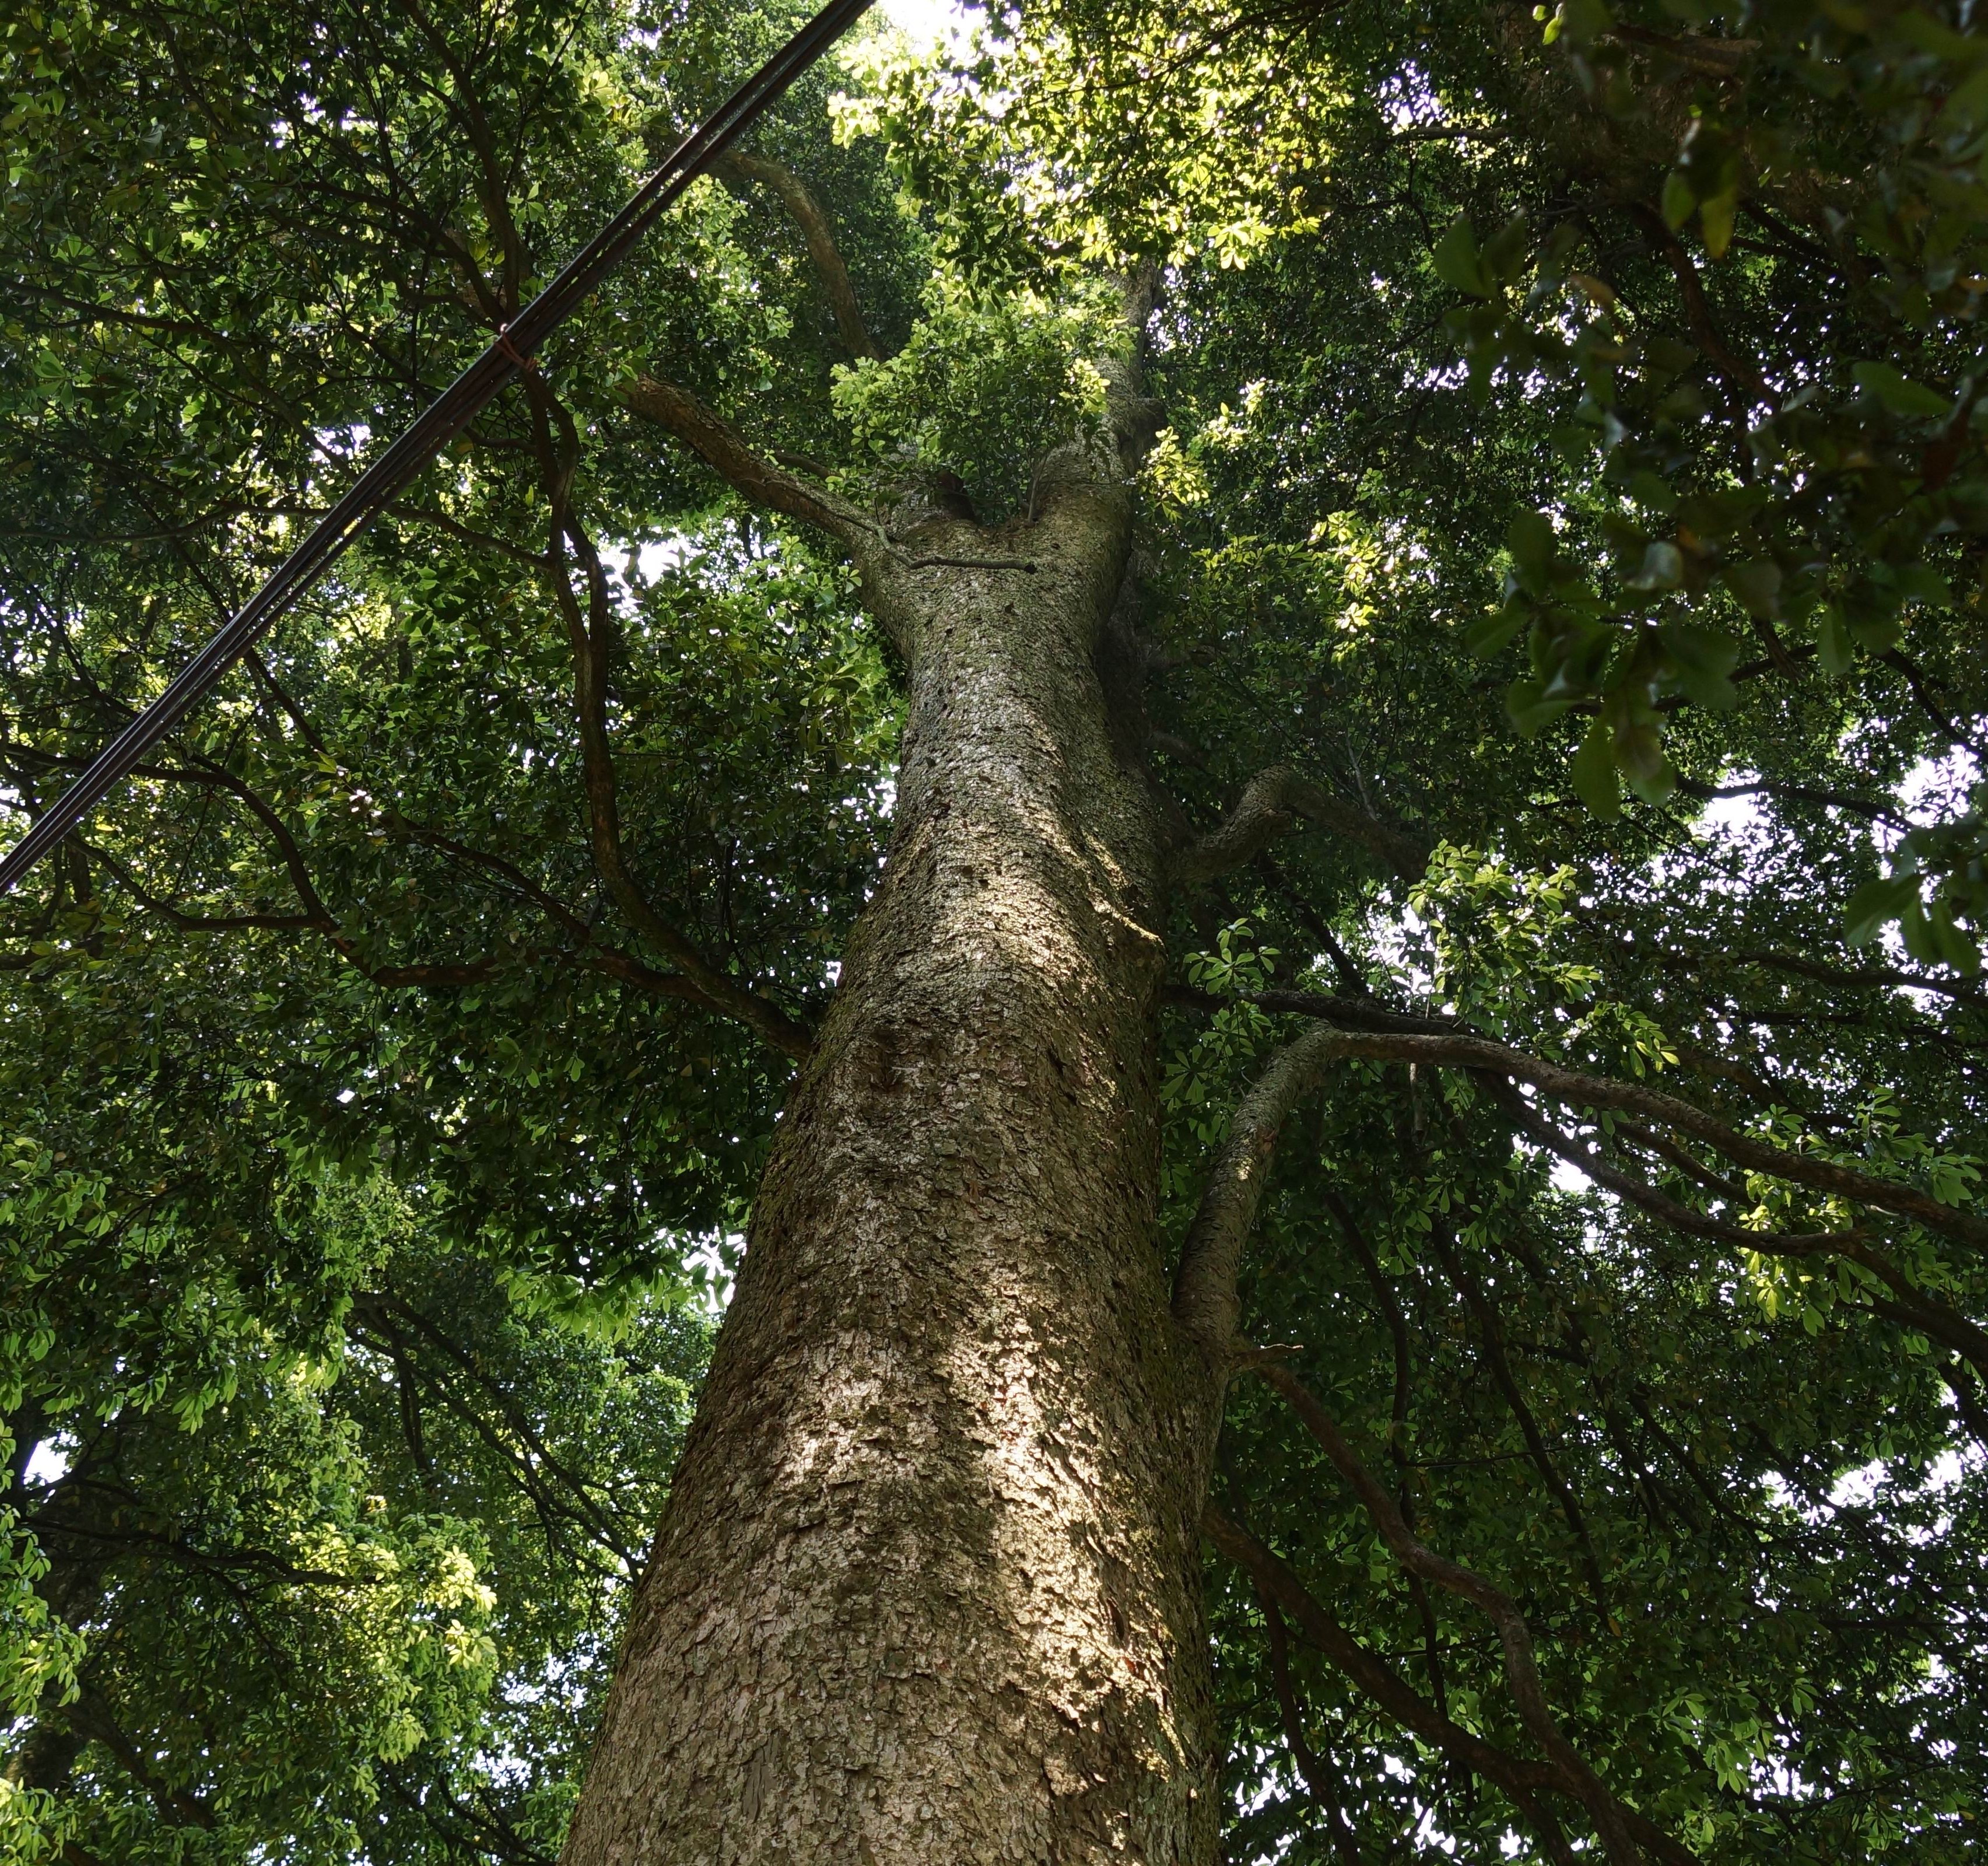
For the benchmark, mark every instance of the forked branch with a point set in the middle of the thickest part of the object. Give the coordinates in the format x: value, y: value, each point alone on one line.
x: 589, y: 629
x: 1318, y: 1773
x: 1624, y: 1833
x: 1580, y: 1089
x: 1909, y: 1304
x: 1523, y: 1781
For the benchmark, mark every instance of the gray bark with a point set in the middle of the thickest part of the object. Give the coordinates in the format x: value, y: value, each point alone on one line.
x: 929, y: 1588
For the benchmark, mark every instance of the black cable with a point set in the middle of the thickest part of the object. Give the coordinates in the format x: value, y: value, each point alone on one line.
x: 451, y: 412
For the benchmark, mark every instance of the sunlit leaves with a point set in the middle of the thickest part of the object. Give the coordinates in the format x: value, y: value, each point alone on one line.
x: 986, y: 389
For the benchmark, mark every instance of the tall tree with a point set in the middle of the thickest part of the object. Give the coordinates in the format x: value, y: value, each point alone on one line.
x: 1241, y: 741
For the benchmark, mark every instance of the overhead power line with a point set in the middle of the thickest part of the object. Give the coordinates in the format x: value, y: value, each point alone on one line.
x: 451, y: 412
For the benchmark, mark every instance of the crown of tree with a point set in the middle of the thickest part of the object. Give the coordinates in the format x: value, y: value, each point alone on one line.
x: 1117, y: 999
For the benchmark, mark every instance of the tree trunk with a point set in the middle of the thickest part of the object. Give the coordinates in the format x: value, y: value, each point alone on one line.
x: 929, y: 1588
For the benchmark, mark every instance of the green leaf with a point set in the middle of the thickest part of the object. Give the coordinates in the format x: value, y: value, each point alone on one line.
x: 1832, y: 641
x: 1757, y: 584
x: 1679, y: 199
x: 1922, y: 582
x: 1715, y: 220
x: 1967, y: 105
x: 1491, y: 632
x: 1920, y: 29
x: 1900, y: 394
x: 1703, y: 660
x: 1529, y: 539
x: 1950, y: 940
x: 1506, y: 256
x: 1875, y: 904
x: 1640, y: 752
x: 1585, y: 20
x: 1530, y: 707
x: 1458, y: 263
x: 1915, y: 929
x: 1662, y: 567
x: 1596, y: 781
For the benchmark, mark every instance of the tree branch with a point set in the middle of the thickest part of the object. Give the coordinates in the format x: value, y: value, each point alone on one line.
x: 1742, y: 375
x: 609, y: 961
x: 1960, y: 1382
x: 1623, y: 1834
x: 589, y: 631
x: 1910, y: 1305
x: 1348, y: 1013
x: 1204, y: 1302
x: 1398, y: 1425
x: 808, y: 215
x: 1799, y: 793
x: 609, y: 1532
x: 1523, y: 1781
x: 1265, y: 811
x: 92, y: 1718
x: 725, y: 451
x: 376, y: 1332
x: 1492, y: 1331
x: 1712, y: 58
x: 1317, y: 1774
x: 467, y: 534
x: 1921, y: 692
x: 1866, y: 977
x: 1581, y: 1089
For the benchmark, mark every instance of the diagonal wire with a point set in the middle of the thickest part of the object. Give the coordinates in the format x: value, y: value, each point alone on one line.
x: 446, y: 417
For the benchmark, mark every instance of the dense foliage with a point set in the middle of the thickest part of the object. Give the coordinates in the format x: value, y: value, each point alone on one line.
x: 1573, y: 455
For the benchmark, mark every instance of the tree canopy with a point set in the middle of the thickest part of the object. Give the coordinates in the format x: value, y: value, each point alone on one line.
x: 1561, y: 565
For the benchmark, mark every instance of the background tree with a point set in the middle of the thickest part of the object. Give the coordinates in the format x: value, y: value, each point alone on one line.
x: 1426, y: 562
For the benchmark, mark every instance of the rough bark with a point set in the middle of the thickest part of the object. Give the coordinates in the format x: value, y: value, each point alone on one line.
x: 928, y: 1586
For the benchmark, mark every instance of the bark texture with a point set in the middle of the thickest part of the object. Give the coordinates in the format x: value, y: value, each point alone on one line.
x: 929, y: 1587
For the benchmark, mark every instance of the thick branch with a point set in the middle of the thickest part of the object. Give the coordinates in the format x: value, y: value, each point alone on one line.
x: 1801, y: 793
x: 1742, y: 375
x: 467, y: 534
x: 319, y: 918
x: 316, y: 916
x: 1581, y: 1089
x: 1911, y: 1304
x: 1493, y: 1332
x: 1967, y: 1401
x: 1921, y: 692
x: 724, y: 449
x: 1866, y: 976
x: 377, y: 1333
x: 1204, y: 1303
x: 1398, y: 1426
x: 178, y: 1548
x: 808, y: 215
x: 1269, y: 803
x: 1349, y: 1013
x: 588, y: 631
x: 384, y: 1305
x: 1712, y: 58
x: 91, y: 1717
